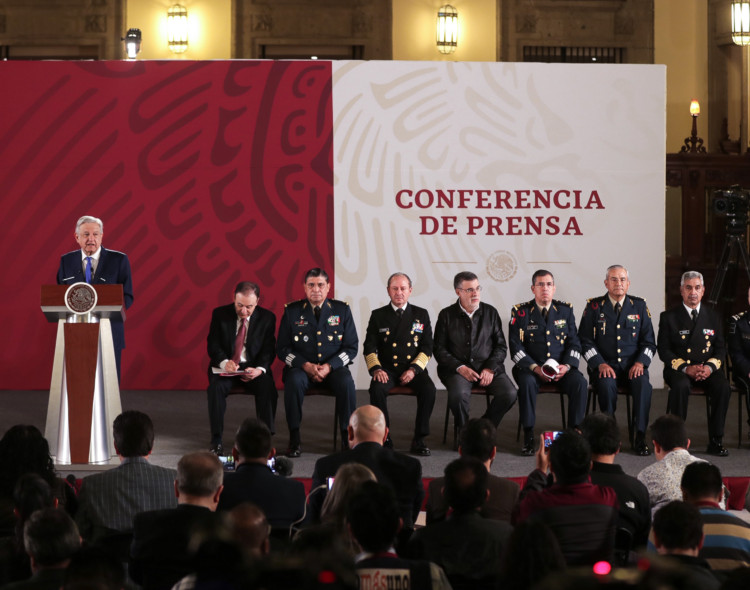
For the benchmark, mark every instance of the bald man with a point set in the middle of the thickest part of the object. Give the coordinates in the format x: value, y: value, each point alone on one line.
x: 366, y: 433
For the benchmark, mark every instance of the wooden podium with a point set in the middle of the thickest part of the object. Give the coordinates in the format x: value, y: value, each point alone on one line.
x: 84, y: 395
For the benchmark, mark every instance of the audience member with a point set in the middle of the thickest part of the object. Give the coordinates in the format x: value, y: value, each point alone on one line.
x: 467, y: 546
x: 671, y: 444
x: 374, y: 522
x: 678, y: 533
x: 251, y: 529
x: 23, y: 449
x: 403, y: 474
x: 109, y: 501
x: 582, y: 515
x: 347, y: 482
x: 603, y: 436
x: 93, y: 568
x: 532, y: 552
x: 726, y: 537
x: 50, y: 538
x: 281, y: 499
x: 158, y: 555
x: 477, y: 439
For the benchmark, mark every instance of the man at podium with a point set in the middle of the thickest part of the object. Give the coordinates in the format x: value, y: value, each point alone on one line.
x: 96, y: 265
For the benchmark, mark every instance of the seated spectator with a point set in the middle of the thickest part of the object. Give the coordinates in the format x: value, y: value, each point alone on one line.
x: 50, y: 538
x: 603, y: 436
x: 109, y: 501
x: 159, y: 553
x: 726, y: 537
x: 678, y: 533
x: 93, y: 568
x: 23, y: 449
x: 477, y: 439
x: 465, y: 545
x: 251, y: 529
x: 582, y: 515
x: 282, y: 500
x: 374, y: 522
x: 532, y: 553
x: 671, y: 443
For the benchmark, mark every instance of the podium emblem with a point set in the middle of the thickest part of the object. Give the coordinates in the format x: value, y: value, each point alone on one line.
x: 80, y: 298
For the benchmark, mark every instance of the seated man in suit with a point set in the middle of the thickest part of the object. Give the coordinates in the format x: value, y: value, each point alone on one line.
x: 96, y: 265
x: 397, y: 349
x: 281, y: 499
x: 108, y: 501
x: 159, y: 554
x: 738, y: 343
x: 317, y: 341
x: 691, y: 345
x: 470, y: 350
x: 477, y: 439
x: 241, y: 338
x: 403, y: 474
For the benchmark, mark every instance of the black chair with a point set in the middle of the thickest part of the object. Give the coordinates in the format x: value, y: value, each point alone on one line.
x: 476, y: 390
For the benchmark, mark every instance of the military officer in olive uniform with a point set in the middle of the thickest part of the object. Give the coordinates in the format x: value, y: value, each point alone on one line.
x: 618, y: 342
x: 317, y: 341
x: 691, y: 345
x: 543, y: 331
x: 739, y: 348
x: 397, y: 347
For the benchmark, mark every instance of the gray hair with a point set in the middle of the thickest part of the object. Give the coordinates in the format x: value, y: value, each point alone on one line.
x: 199, y: 474
x: 396, y: 275
x: 89, y: 219
x: 689, y: 275
x: 615, y: 267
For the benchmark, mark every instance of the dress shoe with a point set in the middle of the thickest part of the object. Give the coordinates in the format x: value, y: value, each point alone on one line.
x: 388, y: 442
x: 217, y: 449
x: 293, y: 452
x: 716, y: 448
x: 640, y: 447
x: 528, y: 444
x: 419, y: 448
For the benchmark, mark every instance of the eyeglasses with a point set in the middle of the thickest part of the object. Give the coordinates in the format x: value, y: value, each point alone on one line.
x: 472, y: 290
x: 618, y: 279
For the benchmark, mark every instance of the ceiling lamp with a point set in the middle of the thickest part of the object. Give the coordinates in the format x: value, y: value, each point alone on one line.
x: 741, y: 23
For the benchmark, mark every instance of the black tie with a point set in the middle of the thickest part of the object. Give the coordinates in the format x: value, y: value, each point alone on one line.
x: 399, y: 312
x: 316, y: 311
x: 618, y: 309
x: 544, y: 313
x: 694, y: 314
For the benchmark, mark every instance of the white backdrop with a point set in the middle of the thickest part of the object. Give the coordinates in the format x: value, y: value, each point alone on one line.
x: 501, y: 169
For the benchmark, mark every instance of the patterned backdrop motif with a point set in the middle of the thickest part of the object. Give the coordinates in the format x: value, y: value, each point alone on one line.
x: 204, y: 173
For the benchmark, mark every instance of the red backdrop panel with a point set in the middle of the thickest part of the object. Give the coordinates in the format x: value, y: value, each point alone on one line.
x: 204, y: 173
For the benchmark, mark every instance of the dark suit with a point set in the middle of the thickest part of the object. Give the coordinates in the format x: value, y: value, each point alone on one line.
x: 620, y: 342
x: 159, y: 554
x: 738, y: 343
x: 260, y: 346
x: 330, y: 339
x: 109, y: 501
x: 395, y: 345
x: 476, y: 342
x: 113, y: 268
x: 533, y: 340
x: 400, y: 472
x: 680, y: 344
x: 282, y: 500
x: 499, y: 506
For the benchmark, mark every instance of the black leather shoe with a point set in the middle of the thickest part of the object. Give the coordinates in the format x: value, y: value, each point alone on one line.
x: 419, y: 448
x: 293, y: 452
x: 217, y: 449
x: 716, y: 448
x: 528, y: 443
x: 640, y: 447
x: 388, y: 442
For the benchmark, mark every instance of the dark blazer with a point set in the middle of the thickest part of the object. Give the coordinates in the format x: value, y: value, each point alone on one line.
x: 401, y: 472
x: 533, y: 339
x: 281, y: 499
x: 738, y: 342
x: 456, y: 344
x: 260, y: 342
x: 397, y: 344
x: 159, y: 554
x: 619, y: 344
x: 681, y: 343
x: 499, y: 506
x: 113, y: 269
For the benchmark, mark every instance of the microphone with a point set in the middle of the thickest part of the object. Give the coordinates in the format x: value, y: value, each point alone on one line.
x: 283, y: 466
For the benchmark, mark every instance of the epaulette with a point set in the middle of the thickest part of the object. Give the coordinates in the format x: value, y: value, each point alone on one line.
x: 559, y: 302
x: 522, y: 304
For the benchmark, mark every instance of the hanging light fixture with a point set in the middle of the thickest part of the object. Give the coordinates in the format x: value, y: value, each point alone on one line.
x: 132, y: 41
x: 177, y: 28
x: 741, y: 23
x: 447, y: 29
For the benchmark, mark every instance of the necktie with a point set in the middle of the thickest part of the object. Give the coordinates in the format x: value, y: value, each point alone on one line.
x: 88, y: 269
x: 239, y: 341
x: 399, y: 312
x: 694, y: 315
x: 544, y: 313
x: 316, y: 311
x: 618, y: 309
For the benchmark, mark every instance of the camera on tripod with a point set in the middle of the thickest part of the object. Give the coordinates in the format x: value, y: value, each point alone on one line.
x: 735, y: 204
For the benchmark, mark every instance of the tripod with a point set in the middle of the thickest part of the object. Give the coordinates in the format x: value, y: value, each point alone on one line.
x: 735, y: 240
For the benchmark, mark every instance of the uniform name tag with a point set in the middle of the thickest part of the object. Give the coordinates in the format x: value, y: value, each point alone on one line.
x: 684, y: 332
x: 383, y: 330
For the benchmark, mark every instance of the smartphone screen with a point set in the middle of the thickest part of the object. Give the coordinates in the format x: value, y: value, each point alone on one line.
x: 550, y: 436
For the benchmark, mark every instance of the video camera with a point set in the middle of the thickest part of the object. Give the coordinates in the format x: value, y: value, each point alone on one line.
x: 735, y: 204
